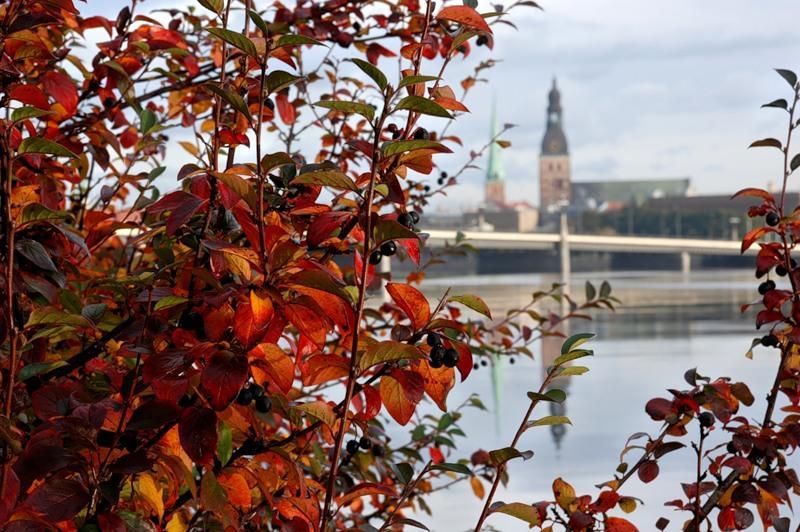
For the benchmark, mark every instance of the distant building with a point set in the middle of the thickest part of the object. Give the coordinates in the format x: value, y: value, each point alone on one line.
x: 555, y: 173
x: 612, y: 195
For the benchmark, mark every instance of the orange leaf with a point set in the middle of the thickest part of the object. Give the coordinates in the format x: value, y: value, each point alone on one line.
x: 272, y: 364
x: 466, y: 16
x: 238, y: 490
x: 401, y: 391
x: 618, y: 524
x: 477, y: 486
x: 438, y: 382
x: 261, y: 306
x: 412, y: 302
x: 365, y: 488
x: 246, y: 327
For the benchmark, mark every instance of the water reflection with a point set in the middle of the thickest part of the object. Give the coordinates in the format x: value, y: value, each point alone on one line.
x: 667, y: 325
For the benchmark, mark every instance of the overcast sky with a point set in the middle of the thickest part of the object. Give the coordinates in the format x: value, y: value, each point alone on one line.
x: 650, y: 89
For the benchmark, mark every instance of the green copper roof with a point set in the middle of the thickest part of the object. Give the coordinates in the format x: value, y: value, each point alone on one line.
x: 494, y: 170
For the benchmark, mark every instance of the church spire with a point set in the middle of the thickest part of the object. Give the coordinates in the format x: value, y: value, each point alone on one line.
x: 494, y: 168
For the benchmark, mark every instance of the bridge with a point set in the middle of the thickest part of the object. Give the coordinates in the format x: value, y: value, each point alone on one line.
x: 566, y: 242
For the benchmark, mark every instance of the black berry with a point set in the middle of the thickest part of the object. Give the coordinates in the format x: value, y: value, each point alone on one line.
x: 434, y: 339
x: 191, y: 321
x: 706, y: 419
x: 365, y: 443
x: 772, y: 218
x: 269, y: 104
x: 426, y: 188
x: 731, y: 448
x: 375, y: 257
x: 511, y: 361
x: 352, y: 446
x: 356, y: 26
x: 421, y: 134
x: 256, y: 390
x: 780, y: 270
x: 482, y: 40
x: 245, y: 397
x: 414, y: 217
x: 451, y: 358
x: 769, y: 340
x: 389, y: 248
x: 484, y: 363
x: 443, y: 175
x: 377, y: 450
x: 264, y: 404
x: 405, y: 219
x: 437, y: 357
x: 766, y: 286
x: 475, y: 366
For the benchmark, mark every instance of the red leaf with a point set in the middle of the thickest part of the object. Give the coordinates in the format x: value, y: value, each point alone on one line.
x: 648, y: 471
x: 466, y: 16
x: 658, y: 408
x: 58, y: 499
x: 247, y: 327
x: 618, y: 524
x: 401, y: 391
x: 31, y: 95
x: 285, y: 109
x: 755, y: 192
x: 754, y: 235
x: 412, y: 302
x: 436, y: 455
x: 272, y: 361
x: 308, y: 322
x: 197, y: 431
x: 62, y: 89
x: 223, y: 377
x: 181, y: 205
x: 375, y: 51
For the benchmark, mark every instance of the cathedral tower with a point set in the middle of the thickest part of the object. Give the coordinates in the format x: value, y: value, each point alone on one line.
x: 554, y: 163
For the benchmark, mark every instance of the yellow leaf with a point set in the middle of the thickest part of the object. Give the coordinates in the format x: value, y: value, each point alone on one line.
x: 151, y: 494
x: 176, y: 524
x: 477, y: 487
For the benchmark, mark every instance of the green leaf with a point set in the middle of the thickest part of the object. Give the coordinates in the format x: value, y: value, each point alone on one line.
x: 36, y: 253
x: 523, y: 512
x: 454, y: 468
x: 372, y: 71
x: 212, y: 5
x: 40, y: 145
x: 326, y: 178
x: 34, y: 212
x: 148, y: 120
x: 788, y: 75
x: 388, y: 351
x: 414, y: 80
x: 572, y: 355
x: 795, y: 162
x: 274, y: 160
x: 24, y: 113
x: 422, y: 105
x: 779, y: 104
x: 31, y: 370
x: 605, y: 290
x: 547, y: 421
x: 259, y: 22
x: 294, y: 40
x: 224, y: 443
x: 574, y: 341
x: 280, y: 79
x: 553, y: 396
x: 501, y: 456
x: 233, y: 98
x: 169, y: 302
x: 54, y: 316
x: 474, y: 302
x: 403, y: 471
x: 590, y: 291
x: 569, y: 371
x: 349, y: 107
x: 386, y: 230
x: 401, y: 146
x: 234, y: 38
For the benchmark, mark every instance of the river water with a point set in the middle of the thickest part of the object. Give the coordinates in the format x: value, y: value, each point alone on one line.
x: 668, y: 323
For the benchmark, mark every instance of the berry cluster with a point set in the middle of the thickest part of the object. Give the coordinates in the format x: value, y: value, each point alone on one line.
x: 353, y: 446
x: 254, y: 392
x: 441, y: 356
x: 387, y: 249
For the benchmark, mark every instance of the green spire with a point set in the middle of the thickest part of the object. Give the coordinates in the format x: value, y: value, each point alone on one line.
x: 494, y: 170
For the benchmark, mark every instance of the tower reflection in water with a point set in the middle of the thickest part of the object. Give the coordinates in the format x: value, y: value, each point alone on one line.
x: 551, y: 349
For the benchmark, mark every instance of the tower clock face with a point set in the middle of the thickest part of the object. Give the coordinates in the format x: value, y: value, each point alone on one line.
x: 555, y: 146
